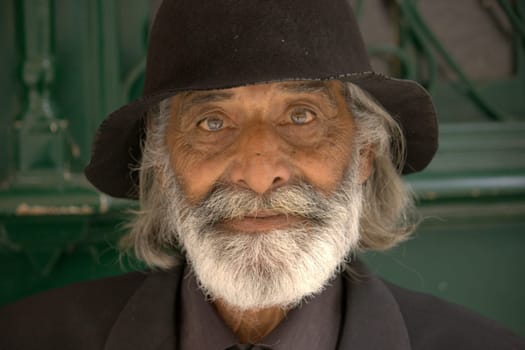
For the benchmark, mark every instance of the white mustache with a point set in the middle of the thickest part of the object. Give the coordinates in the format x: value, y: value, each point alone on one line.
x: 227, y: 203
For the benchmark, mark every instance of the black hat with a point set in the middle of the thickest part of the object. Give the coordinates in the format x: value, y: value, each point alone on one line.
x: 206, y: 44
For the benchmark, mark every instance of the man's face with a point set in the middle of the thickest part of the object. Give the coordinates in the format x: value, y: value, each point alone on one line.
x: 265, y: 195
x: 260, y: 137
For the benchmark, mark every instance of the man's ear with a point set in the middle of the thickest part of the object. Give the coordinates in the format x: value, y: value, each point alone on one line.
x: 366, y: 163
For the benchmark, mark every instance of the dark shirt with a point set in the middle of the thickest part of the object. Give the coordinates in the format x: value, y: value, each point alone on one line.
x: 201, y: 327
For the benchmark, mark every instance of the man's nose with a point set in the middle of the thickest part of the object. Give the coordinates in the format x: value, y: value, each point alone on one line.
x: 261, y: 163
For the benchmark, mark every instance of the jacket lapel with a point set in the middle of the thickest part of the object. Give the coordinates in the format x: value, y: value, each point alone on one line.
x: 148, y: 321
x: 372, y: 319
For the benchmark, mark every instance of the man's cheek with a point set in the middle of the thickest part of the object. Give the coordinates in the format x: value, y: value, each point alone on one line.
x: 197, y: 174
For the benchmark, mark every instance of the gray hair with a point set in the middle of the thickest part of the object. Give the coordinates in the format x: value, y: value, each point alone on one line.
x: 388, y: 216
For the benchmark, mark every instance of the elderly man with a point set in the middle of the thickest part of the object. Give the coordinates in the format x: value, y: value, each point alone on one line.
x: 264, y: 153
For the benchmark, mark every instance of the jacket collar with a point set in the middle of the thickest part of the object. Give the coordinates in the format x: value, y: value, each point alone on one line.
x: 148, y: 321
x: 372, y: 319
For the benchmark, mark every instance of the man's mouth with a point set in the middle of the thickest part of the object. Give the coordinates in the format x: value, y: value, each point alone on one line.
x: 262, y: 221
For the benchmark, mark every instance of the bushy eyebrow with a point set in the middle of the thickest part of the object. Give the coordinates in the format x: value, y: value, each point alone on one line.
x: 203, y: 97
x: 309, y: 87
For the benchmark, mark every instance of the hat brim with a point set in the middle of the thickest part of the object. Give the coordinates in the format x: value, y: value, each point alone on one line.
x: 116, y: 150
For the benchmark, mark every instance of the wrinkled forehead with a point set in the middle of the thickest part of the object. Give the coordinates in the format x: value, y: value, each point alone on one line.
x: 328, y: 89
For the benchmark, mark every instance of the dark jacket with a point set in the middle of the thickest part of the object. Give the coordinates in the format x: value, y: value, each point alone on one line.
x: 138, y: 311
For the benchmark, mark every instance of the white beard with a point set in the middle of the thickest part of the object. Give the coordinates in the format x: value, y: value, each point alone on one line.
x: 252, y: 270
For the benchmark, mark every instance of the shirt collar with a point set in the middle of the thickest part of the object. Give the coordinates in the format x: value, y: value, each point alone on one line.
x: 314, y: 324
x: 202, y: 328
x: 200, y: 325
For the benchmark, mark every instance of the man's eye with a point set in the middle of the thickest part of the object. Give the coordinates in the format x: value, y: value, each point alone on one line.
x: 211, y: 124
x: 302, y: 116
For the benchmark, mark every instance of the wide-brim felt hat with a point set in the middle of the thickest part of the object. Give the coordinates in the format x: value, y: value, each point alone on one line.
x: 203, y: 45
